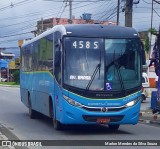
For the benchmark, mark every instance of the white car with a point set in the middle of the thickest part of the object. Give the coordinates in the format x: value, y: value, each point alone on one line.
x: 3, y: 79
x: 145, y: 86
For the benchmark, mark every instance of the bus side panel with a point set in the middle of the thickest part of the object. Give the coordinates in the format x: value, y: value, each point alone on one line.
x: 41, y: 90
x: 25, y: 86
x: 24, y: 96
x: 58, y: 103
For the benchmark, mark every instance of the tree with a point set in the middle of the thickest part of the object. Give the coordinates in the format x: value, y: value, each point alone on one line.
x: 153, y: 31
x: 146, y: 44
x: 16, y: 76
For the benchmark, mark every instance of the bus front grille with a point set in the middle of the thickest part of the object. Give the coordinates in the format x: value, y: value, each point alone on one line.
x: 99, y: 109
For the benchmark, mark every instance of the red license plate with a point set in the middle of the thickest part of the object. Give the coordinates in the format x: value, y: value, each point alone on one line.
x: 103, y: 120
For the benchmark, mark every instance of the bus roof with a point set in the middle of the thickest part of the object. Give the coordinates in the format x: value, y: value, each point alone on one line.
x: 90, y: 30
x: 97, y: 30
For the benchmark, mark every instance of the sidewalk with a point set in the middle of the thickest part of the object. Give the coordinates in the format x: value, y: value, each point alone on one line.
x: 148, y: 117
x: 146, y: 114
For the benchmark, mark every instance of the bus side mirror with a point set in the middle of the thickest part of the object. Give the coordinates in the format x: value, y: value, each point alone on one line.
x: 57, y: 58
x: 143, y: 56
x: 58, y: 44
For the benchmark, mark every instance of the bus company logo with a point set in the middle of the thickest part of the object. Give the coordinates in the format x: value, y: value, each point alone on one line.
x: 104, y: 109
x: 20, y: 143
x: 6, y: 143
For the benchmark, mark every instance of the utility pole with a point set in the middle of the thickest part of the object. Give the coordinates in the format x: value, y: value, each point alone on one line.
x: 128, y: 13
x: 150, y: 42
x: 70, y: 11
x: 42, y: 25
x: 118, y: 12
x: 152, y: 16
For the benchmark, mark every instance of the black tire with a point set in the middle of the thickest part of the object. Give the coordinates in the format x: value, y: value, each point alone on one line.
x: 56, y: 124
x: 32, y: 113
x: 114, y: 127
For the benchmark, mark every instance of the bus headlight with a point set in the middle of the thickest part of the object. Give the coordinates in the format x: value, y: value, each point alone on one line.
x: 133, y: 102
x: 130, y: 104
x: 71, y: 101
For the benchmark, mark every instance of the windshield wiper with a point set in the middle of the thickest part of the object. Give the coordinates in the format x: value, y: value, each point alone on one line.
x: 93, y: 76
x: 115, y: 62
x: 119, y: 75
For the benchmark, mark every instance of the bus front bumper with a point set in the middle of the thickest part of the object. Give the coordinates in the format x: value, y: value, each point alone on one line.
x: 77, y: 115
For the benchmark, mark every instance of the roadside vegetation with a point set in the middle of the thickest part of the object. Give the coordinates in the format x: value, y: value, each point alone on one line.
x: 9, y: 83
x: 15, y: 79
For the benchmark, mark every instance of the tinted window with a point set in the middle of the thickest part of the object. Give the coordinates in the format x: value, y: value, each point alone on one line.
x: 38, y: 55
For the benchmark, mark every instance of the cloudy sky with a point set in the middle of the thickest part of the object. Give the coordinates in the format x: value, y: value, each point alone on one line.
x: 19, y: 17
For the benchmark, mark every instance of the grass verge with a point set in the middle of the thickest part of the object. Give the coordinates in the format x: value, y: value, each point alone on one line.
x: 8, y: 83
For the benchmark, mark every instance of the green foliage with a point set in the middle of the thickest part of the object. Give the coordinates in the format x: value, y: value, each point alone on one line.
x: 146, y: 44
x: 9, y: 83
x: 153, y: 31
x: 16, y: 76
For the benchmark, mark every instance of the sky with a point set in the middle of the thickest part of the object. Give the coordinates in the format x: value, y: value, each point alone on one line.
x: 19, y: 17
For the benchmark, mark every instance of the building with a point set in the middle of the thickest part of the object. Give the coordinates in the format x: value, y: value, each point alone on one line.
x: 149, y: 70
x: 6, y: 55
x: 5, y: 59
x: 46, y: 24
x: 3, y: 70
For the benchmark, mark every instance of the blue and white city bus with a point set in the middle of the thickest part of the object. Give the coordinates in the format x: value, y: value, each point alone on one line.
x: 83, y: 74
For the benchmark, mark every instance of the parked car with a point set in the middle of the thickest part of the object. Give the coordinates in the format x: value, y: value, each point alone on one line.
x: 145, y: 86
x: 3, y: 79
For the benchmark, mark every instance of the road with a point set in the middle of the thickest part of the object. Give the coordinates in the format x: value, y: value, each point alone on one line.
x: 14, y: 116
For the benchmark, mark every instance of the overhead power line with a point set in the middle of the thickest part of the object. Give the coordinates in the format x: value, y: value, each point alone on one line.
x: 16, y: 4
x: 12, y: 47
x: 15, y: 35
x: 156, y: 12
x: 158, y: 2
x: 146, y: 2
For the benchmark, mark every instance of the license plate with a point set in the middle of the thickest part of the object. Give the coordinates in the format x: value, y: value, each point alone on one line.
x: 103, y: 120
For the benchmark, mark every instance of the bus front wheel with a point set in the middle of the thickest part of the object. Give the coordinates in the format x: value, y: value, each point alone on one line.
x: 57, y: 125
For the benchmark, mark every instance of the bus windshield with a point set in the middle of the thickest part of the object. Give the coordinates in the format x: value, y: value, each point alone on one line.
x: 122, y: 64
x: 101, y: 64
x: 82, y: 56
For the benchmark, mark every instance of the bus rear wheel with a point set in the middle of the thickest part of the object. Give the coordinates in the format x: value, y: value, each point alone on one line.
x: 32, y: 113
x: 114, y: 127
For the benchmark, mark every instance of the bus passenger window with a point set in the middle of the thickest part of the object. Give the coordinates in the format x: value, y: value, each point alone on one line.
x: 57, y: 60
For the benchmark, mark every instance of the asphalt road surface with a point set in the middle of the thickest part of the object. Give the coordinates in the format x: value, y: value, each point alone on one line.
x: 14, y: 117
